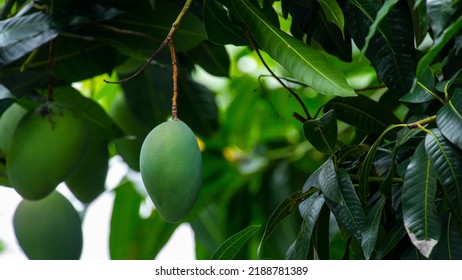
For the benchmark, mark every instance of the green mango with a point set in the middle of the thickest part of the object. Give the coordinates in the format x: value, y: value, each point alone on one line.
x: 48, y: 229
x: 171, y: 169
x: 8, y: 122
x: 46, y: 146
x: 88, y: 179
x: 128, y: 148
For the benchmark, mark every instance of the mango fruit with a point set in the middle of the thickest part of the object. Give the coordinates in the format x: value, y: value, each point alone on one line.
x: 46, y: 146
x: 88, y: 179
x: 48, y: 229
x: 171, y: 169
x: 8, y: 122
x: 128, y: 148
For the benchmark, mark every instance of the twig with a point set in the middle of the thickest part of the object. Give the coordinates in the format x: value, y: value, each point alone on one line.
x: 175, y: 81
x: 418, y: 124
x: 167, y: 41
x: 254, y: 45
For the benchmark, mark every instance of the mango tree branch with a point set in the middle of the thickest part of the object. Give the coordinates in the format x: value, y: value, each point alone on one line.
x: 175, y: 81
x: 167, y: 41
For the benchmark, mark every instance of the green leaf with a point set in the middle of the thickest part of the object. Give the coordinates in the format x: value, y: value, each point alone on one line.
x: 212, y: 58
x: 447, y: 162
x: 322, y: 132
x: 98, y: 122
x: 333, y: 13
x: 440, y: 14
x: 391, y: 240
x: 450, y: 245
x: 371, y: 228
x: 362, y: 112
x: 21, y: 35
x: 438, y: 45
x: 363, y: 189
x: 309, y: 210
x: 449, y: 119
x: 232, y: 245
x: 418, y: 199
x: 391, y: 49
x: 219, y: 27
x: 325, y: 179
x: 349, y: 212
x: 124, y: 221
x: 382, y: 12
x: 422, y: 91
x: 284, y: 209
x: 302, y: 61
x: 132, y: 237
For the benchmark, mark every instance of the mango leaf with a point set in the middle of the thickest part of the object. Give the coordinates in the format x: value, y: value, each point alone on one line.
x: 302, y: 61
x: 438, y: 45
x: 229, y: 249
x: 322, y: 132
x: 422, y: 91
x: 98, y: 122
x: 391, y: 240
x: 418, y: 199
x: 391, y: 49
x: 309, y: 211
x: 212, y: 58
x: 219, y: 27
x: 325, y: 179
x: 21, y: 35
x: 382, y: 12
x: 371, y: 228
x: 333, y: 13
x: 449, y: 119
x: 450, y: 245
x: 440, y: 14
x: 363, y: 189
x: 362, y: 112
x: 349, y: 212
x: 447, y: 162
x: 132, y: 237
x: 284, y: 209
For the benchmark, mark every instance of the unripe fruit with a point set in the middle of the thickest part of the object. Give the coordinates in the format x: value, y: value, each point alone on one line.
x: 8, y: 122
x: 171, y: 169
x: 46, y: 146
x: 128, y: 149
x: 48, y: 229
x: 88, y: 179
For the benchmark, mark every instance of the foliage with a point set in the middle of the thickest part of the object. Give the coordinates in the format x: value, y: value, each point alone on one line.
x: 358, y: 156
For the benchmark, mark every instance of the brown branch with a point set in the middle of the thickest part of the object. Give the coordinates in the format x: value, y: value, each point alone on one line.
x: 166, y: 42
x: 175, y: 81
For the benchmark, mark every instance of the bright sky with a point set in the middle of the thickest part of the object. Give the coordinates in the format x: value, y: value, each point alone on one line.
x: 95, y: 224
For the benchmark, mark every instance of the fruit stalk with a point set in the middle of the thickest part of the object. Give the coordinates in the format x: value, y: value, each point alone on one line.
x: 175, y: 81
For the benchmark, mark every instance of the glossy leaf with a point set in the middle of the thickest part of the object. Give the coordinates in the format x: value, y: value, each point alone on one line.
x: 333, y: 13
x: 349, y: 212
x: 98, y: 121
x: 232, y: 245
x: 418, y: 199
x: 391, y: 48
x: 325, y: 179
x: 21, y: 35
x: 440, y: 13
x: 396, y: 234
x: 284, y: 209
x: 371, y: 228
x: 381, y: 13
x: 447, y: 162
x: 212, y: 58
x: 322, y: 132
x: 449, y: 119
x: 309, y: 211
x: 438, y: 46
x: 219, y: 27
x: 422, y: 91
x: 302, y: 61
x: 362, y: 112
